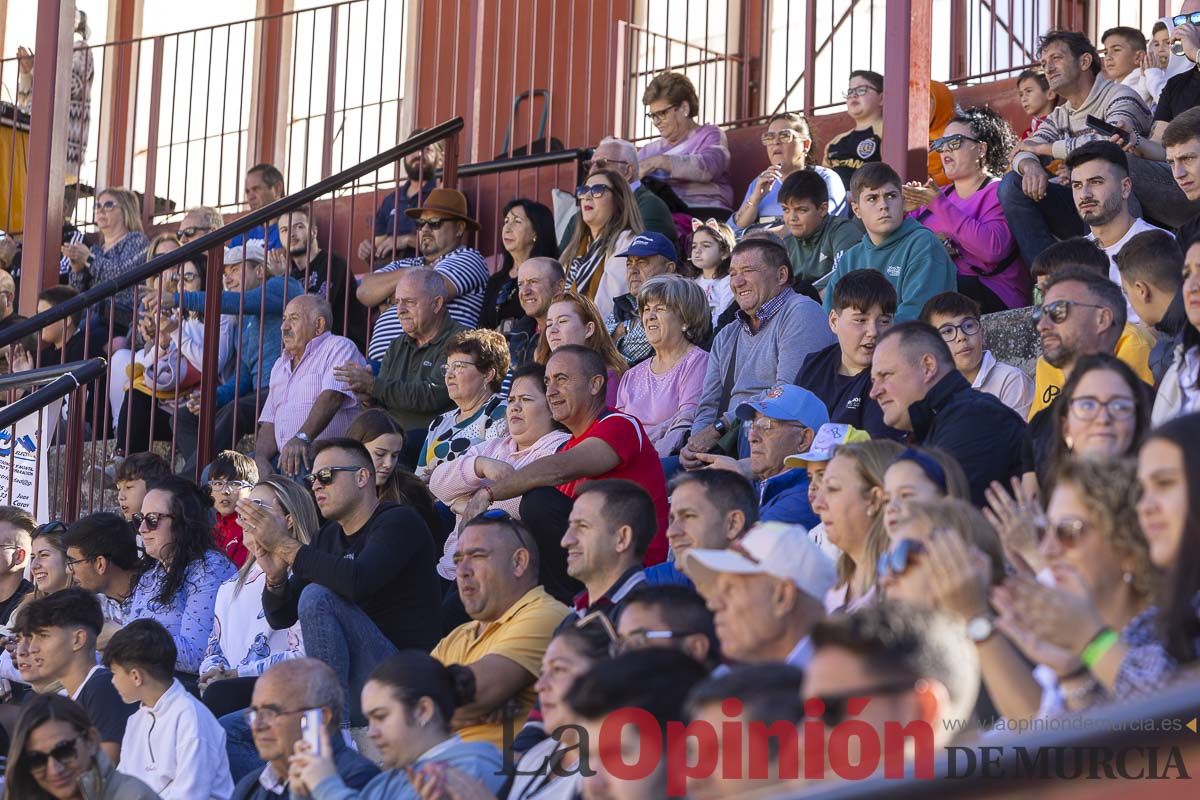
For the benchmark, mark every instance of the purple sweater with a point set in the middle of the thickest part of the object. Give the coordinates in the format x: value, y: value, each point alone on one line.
x: 980, y: 232
x: 699, y: 166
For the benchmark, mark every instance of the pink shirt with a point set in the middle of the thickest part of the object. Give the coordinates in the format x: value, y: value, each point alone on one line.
x: 293, y: 391
x: 665, y: 404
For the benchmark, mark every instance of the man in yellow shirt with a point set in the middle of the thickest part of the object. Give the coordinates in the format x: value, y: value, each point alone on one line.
x: 512, y: 620
x: 1133, y: 347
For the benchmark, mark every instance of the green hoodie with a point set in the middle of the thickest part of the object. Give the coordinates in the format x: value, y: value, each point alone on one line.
x: 813, y: 256
x: 911, y: 257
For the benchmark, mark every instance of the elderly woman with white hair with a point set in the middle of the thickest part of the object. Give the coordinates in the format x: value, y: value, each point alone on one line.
x: 663, y: 390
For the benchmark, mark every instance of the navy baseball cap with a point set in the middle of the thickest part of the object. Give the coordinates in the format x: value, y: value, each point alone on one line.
x: 651, y: 244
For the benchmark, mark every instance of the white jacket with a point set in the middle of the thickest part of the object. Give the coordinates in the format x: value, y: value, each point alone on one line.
x: 177, y: 748
x: 1172, y: 399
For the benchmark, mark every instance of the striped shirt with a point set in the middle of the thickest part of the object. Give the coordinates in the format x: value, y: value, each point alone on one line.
x: 465, y: 268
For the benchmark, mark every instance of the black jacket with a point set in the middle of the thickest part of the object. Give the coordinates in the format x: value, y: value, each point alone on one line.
x: 985, y: 435
x: 1170, y: 328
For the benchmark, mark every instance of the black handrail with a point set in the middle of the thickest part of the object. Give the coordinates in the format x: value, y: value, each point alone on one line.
x: 38, y: 375
x: 217, y: 238
x: 523, y: 162
x: 81, y: 373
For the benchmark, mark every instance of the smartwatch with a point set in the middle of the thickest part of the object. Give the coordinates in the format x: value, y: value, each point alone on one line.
x: 720, y: 426
x: 980, y: 629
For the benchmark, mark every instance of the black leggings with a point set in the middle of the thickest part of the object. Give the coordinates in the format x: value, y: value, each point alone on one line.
x: 977, y: 290
x: 230, y: 695
x: 136, y: 412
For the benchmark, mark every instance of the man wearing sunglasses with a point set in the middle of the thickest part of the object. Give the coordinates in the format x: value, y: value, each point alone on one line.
x: 197, y: 222
x: 443, y: 225
x: 910, y: 665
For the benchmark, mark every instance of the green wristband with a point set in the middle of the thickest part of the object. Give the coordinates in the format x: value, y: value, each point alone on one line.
x: 1098, y: 646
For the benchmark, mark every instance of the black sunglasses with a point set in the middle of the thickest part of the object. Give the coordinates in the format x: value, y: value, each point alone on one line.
x: 899, y: 559
x: 432, y: 224
x: 191, y: 230
x: 836, y: 704
x: 595, y: 192
x: 326, y: 475
x: 951, y: 142
x: 152, y: 520
x: 1058, y: 311
x: 64, y: 751
x: 1179, y: 19
x: 502, y: 517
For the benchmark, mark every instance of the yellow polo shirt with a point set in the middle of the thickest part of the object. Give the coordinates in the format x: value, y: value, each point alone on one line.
x: 521, y: 635
x: 1133, y: 348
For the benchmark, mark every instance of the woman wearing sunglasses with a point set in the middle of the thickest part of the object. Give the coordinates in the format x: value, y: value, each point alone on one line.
x: 610, y: 219
x: 55, y: 755
x: 122, y: 247
x: 966, y: 215
x: 179, y: 588
x: 787, y: 141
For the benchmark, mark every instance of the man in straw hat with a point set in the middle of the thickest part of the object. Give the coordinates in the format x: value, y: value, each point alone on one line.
x: 442, y: 225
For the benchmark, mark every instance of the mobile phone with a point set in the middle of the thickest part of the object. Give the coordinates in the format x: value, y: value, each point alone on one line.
x: 1100, y: 126
x: 310, y: 727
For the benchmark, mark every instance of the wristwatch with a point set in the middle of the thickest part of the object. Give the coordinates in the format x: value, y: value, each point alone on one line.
x: 720, y: 426
x: 302, y: 436
x: 980, y: 629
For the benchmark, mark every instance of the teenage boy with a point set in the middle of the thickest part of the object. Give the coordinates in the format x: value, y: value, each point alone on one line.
x: 61, y: 630
x: 908, y: 254
x: 956, y: 318
x: 814, y: 239
x: 848, y: 151
x: 864, y: 304
x: 231, y: 476
x: 102, y: 557
x: 1124, y: 59
x: 172, y: 742
x: 1036, y: 97
x: 133, y: 475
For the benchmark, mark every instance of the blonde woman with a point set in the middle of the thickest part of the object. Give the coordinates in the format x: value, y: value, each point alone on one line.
x: 609, y: 219
x: 243, y: 645
x: 122, y: 248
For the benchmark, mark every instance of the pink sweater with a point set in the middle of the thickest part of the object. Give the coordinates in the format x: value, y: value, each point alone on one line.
x: 454, y: 479
x: 699, y: 166
x: 665, y: 404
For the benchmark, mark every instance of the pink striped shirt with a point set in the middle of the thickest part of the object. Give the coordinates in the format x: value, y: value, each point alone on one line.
x: 294, y: 390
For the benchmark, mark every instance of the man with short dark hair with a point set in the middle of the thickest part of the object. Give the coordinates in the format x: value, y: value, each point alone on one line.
x: 264, y: 185
x: 920, y: 390
x: 1151, y: 267
x: 320, y: 272
x: 1126, y: 60
x: 103, y: 557
x: 1181, y: 149
x: 648, y: 255
x: 365, y: 587
x: 610, y: 527
x: 668, y: 616
x: 16, y: 537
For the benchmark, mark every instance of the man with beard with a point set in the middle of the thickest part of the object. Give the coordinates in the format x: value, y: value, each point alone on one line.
x: 1100, y: 185
x: 395, y: 234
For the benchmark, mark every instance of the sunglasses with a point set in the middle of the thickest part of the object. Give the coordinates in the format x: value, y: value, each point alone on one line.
x: 783, y: 137
x: 1179, y: 19
x: 190, y: 231
x: 951, y: 143
x: 326, y: 475
x: 190, y: 276
x: 658, y: 116
x: 594, y: 192
x: 1086, y: 409
x: 602, y: 163
x: 837, y: 704
x: 899, y: 559
x: 969, y: 327
x: 1058, y: 311
x: 858, y: 91
x: 107, y: 205
x: 64, y: 751
x: 152, y: 520
x: 432, y: 224
x: 502, y: 517
x: 1068, y: 532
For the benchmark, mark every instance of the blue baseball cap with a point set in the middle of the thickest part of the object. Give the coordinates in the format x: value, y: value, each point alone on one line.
x: 788, y: 403
x: 651, y: 244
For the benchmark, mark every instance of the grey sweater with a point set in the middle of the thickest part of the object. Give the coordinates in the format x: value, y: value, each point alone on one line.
x: 764, y: 359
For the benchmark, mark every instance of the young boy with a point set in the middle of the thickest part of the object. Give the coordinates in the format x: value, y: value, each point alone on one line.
x: 956, y: 318
x: 134, y: 474
x: 860, y: 145
x: 172, y: 742
x: 814, y: 238
x: 1124, y: 58
x: 60, y: 631
x: 230, y: 478
x: 1036, y: 98
x: 1160, y: 46
x: 864, y: 303
x: 908, y: 254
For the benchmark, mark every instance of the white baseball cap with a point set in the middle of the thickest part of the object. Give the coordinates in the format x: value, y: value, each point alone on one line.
x: 254, y: 250
x: 769, y: 548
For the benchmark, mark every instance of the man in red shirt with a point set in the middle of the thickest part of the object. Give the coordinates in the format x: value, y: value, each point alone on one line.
x: 603, y: 444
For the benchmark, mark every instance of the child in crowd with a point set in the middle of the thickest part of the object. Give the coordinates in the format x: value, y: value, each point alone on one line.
x: 172, y: 742
x: 956, y: 318
x: 133, y: 477
x: 814, y: 239
x: 860, y: 145
x: 712, y: 245
x: 1125, y: 60
x: 830, y: 436
x: 908, y: 254
x: 1036, y: 97
x: 864, y: 303
x: 230, y: 478
x: 1159, y: 47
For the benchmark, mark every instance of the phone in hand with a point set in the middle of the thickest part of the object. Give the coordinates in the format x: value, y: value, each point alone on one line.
x: 310, y: 727
x: 1100, y: 126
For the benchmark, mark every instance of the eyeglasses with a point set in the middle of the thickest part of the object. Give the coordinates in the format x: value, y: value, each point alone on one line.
x: 71, y: 562
x: 456, y: 366
x: 771, y: 424
x: 326, y: 475
x: 1057, y: 311
x: 1068, y: 532
x: 1086, y: 409
x: 969, y: 327
x: 107, y: 205
x: 899, y: 559
x: 601, y: 619
x: 190, y: 276
x: 64, y: 751
x: 432, y: 224
x: 858, y: 91
x: 785, y: 136
x: 836, y: 704
x: 951, y: 142
x: 192, y: 230
x: 152, y: 520
x: 594, y: 192
x: 640, y: 639
x: 228, y: 487
x: 658, y: 116
x: 267, y: 715
x: 602, y: 163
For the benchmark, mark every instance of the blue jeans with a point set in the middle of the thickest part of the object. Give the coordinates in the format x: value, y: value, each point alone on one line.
x: 1160, y: 196
x: 1038, y: 224
x: 239, y: 745
x: 339, y: 633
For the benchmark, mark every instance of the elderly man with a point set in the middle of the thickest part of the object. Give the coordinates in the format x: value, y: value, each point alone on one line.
x: 512, y: 620
x: 648, y: 255
x: 320, y: 272
x: 767, y: 592
x: 395, y: 235
x: 264, y: 185
x: 410, y: 384
x: 603, y: 444
x: 442, y: 225
x: 280, y: 694
x: 257, y: 343
x: 196, y: 222
x: 775, y: 330
x: 306, y: 401
x: 919, y: 390
x: 540, y: 282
